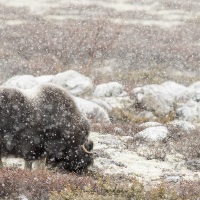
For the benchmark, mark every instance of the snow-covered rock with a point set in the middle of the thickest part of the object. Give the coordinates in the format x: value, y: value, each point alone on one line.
x: 154, y: 98
x: 182, y: 125
x: 153, y: 134
x: 149, y: 124
x: 77, y: 83
x: 189, y: 111
x: 92, y: 111
x: 119, y: 102
x: 27, y: 81
x: 188, y: 105
x: 102, y: 103
x: 112, y: 89
x: 159, y: 99
x: 176, y: 89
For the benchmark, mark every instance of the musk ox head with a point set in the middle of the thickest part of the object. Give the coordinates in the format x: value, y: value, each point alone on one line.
x: 80, y: 158
x: 75, y: 159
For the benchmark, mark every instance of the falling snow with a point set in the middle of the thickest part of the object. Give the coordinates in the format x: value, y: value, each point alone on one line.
x: 122, y: 73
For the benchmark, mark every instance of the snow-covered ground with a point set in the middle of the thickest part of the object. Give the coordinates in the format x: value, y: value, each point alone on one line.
x: 115, y: 158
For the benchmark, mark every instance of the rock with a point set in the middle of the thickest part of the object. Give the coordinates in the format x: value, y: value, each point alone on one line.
x: 27, y: 81
x: 176, y: 89
x: 154, y: 98
x: 112, y: 89
x: 126, y: 138
x: 119, y: 102
x: 92, y: 111
x: 189, y: 111
x: 153, y: 134
x: 149, y: 124
x: 181, y: 126
x: 173, y: 178
x: 102, y: 103
x: 193, y: 164
x: 77, y: 83
x: 188, y: 107
x: 195, y: 86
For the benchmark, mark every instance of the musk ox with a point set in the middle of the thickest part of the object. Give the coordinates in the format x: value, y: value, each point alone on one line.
x: 44, y: 124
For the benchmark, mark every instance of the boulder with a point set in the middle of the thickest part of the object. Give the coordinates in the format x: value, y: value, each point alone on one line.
x: 92, y: 111
x: 27, y: 81
x: 154, y: 98
x: 102, y: 103
x: 187, y: 105
x: 183, y: 126
x: 176, y: 89
x: 159, y: 99
x: 189, y: 111
x: 152, y: 134
x: 75, y: 82
x: 149, y: 124
x: 112, y: 89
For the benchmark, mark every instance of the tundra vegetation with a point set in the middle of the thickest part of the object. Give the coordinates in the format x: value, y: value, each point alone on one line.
x: 136, y: 54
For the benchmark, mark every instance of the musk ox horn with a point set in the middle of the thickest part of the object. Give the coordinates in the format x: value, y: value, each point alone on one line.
x: 85, y: 150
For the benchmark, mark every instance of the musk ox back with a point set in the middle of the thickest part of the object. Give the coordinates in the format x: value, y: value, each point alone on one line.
x: 44, y: 123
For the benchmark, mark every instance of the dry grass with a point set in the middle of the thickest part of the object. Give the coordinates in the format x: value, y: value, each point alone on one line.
x: 48, y: 185
x: 137, y: 54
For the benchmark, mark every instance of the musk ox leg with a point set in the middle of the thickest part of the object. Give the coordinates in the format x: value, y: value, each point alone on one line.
x: 1, y: 163
x: 28, y: 165
x: 40, y: 164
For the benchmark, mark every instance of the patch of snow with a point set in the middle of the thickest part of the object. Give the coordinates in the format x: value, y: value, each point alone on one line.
x: 22, y: 197
x: 113, y: 157
x: 13, y: 162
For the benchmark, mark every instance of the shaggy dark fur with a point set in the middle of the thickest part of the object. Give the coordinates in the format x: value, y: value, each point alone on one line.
x: 44, y: 122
